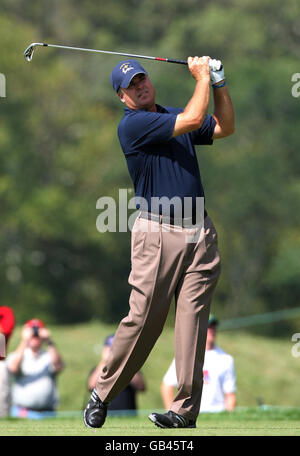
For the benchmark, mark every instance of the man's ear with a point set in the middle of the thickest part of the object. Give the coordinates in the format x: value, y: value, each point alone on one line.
x: 121, y: 95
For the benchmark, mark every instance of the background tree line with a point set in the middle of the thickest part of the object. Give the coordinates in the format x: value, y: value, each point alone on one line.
x: 59, y: 150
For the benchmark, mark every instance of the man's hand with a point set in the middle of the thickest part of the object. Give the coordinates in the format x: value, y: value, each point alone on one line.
x: 44, y: 334
x: 199, y: 68
x: 27, y: 333
x: 216, y: 75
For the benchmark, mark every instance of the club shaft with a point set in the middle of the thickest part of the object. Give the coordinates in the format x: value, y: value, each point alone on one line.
x: 183, y: 62
x: 29, y: 52
x: 32, y: 46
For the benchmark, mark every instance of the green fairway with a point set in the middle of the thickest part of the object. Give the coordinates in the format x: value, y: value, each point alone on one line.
x: 249, y: 422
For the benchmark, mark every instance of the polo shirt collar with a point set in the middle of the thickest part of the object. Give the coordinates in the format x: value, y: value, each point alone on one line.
x: 158, y: 107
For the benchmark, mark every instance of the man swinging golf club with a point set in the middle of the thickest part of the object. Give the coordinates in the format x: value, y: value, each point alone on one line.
x: 158, y: 144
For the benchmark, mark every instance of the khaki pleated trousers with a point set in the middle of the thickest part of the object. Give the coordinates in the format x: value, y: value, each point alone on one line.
x: 166, y: 261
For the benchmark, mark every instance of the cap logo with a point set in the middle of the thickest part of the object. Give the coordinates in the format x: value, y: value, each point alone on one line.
x: 125, y: 67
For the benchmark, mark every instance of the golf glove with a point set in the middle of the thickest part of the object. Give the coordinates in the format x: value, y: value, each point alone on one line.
x: 216, y: 74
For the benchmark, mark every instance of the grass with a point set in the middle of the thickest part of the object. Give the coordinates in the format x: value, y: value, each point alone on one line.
x: 248, y: 422
x: 266, y: 372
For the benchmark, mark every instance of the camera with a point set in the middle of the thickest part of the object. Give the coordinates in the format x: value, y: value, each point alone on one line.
x: 35, y: 331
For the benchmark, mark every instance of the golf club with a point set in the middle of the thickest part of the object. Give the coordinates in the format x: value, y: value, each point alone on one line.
x: 28, y: 53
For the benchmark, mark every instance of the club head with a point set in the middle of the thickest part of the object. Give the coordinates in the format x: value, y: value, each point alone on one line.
x: 28, y: 53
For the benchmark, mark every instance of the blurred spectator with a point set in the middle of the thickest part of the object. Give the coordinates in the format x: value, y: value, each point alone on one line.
x: 126, y: 399
x: 219, y: 384
x: 7, y: 324
x: 34, y: 392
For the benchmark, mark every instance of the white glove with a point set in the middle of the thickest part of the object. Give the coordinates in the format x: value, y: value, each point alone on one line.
x: 216, y: 74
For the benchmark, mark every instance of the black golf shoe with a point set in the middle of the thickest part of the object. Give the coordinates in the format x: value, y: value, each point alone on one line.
x: 171, y: 420
x: 95, y: 412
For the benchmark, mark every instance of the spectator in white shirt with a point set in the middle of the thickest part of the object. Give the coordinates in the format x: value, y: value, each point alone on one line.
x: 219, y: 382
x: 34, y: 391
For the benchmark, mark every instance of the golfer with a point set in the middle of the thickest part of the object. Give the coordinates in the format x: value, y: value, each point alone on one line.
x: 158, y: 144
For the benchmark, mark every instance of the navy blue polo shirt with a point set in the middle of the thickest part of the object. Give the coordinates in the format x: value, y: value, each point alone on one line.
x: 160, y: 165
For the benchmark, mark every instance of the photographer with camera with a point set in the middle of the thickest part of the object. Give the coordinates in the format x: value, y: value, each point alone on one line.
x: 34, y: 392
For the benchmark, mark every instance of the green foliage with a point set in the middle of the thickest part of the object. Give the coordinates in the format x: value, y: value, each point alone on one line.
x: 59, y: 150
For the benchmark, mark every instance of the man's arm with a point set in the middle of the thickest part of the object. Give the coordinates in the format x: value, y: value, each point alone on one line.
x: 93, y: 377
x: 167, y: 394
x: 56, y: 359
x: 230, y: 401
x: 16, y: 359
x: 223, y: 113
x: 195, y: 112
x: 229, y: 386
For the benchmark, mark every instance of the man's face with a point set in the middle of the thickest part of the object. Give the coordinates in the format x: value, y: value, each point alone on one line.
x: 211, y: 336
x: 35, y: 342
x: 140, y: 94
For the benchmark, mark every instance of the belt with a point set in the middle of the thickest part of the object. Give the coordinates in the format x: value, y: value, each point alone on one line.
x: 183, y: 222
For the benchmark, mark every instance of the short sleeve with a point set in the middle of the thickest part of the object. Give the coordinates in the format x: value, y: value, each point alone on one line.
x: 229, y: 381
x: 203, y: 136
x: 170, y: 377
x: 142, y: 128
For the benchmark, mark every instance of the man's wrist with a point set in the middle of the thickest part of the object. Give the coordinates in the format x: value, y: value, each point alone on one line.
x: 205, y: 79
x: 24, y: 343
x: 219, y: 84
